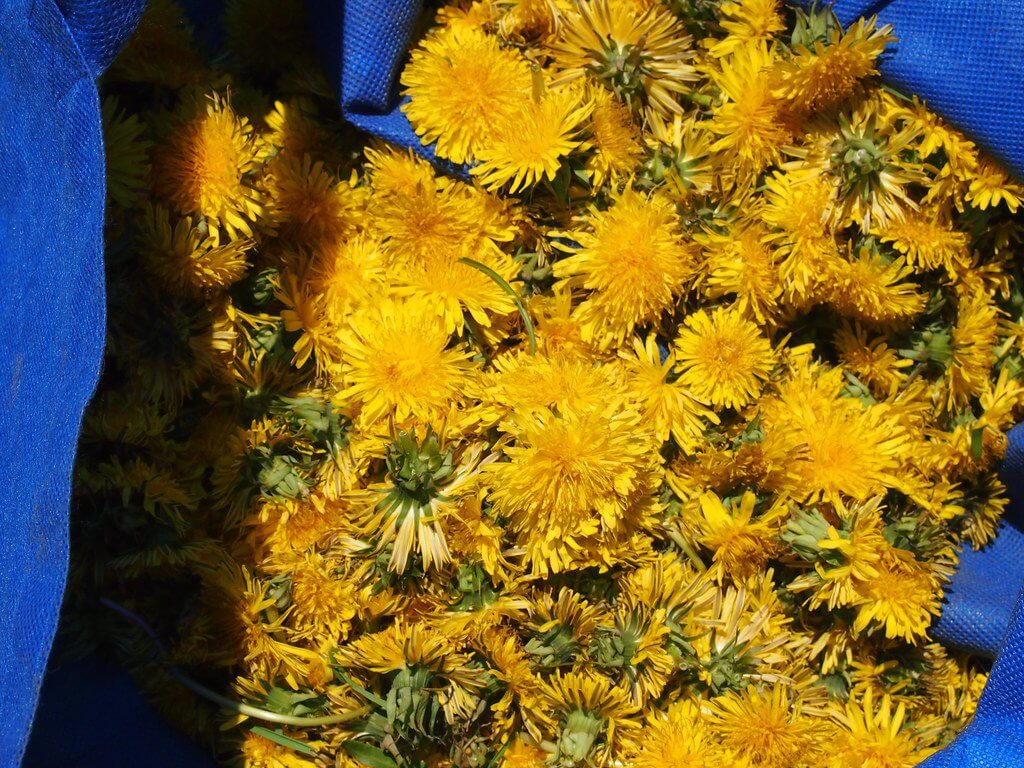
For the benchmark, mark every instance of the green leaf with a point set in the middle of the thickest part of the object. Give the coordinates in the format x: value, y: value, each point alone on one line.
x: 370, y: 697
x: 285, y: 741
x: 367, y: 754
x: 503, y: 284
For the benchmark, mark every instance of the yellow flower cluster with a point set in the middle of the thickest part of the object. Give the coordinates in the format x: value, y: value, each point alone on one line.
x: 650, y: 438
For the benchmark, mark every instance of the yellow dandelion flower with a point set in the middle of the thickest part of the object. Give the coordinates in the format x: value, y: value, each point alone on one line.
x: 748, y: 22
x: 309, y: 205
x: 877, y: 736
x: 865, y: 160
x: 668, y: 407
x: 396, y: 361
x: 322, y: 599
x: 972, y: 341
x: 558, y: 331
x: 830, y: 73
x: 127, y: 154
x: 633, y: 262
x: 522, y: 754
x: 742, y: 546
x: 531, y: 20
x: 461, y: 83
x: 722, y: 357
x: 681, y: 151
x: 767, y: 727
x: 206, y: 167
x: 186, y: 257
x: 641, y: 54
x: 869, y: 289
x: 459, y: 290
x: 304, y: 312
x: 570, y: 476
x: 292, y: 127
x: 522, y: 150
x: 749, y: 122
x: 847, y: 450
x: 797, y: 206
x: 991, y: 186
x: 679, y: 737
x: 927, y: 242
x: 347, y: 273
x: 393, y: 173
x: 525, y: 383
x: 872, y: 360
x: 259, y: 752
x: 615, y: 138
x: 742, y: 264
x: 901, y: 597
x: 591, y: 717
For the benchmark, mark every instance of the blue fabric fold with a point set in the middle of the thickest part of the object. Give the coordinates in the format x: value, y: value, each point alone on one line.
x: 51, y: 257
x: 964, y: 57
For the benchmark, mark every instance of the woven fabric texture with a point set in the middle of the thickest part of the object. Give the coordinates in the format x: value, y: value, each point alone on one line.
x: 51, y: 218
x: 964, y: 57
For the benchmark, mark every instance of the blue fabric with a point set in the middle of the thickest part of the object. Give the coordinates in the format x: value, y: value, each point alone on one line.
x: 91, y: 716
x: 964, y: 57
x: 52, y: 313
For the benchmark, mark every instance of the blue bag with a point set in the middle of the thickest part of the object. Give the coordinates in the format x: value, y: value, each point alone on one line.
x: 962, y: 56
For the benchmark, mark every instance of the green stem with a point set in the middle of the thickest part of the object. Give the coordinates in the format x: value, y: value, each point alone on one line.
x: 230, y: 704
x: 503, y: 284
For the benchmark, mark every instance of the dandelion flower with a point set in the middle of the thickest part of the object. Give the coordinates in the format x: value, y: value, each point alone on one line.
x: 592, y: 717
x: 570, y: 476
x: 461, y: 83
x: 126, y: 153
x: 187, y: 257
x: 830, y: 73
x: 991, y: 186
x: 641, y: 55
x: 748, y: 22
x: 615, y: 138
x: 742, y: 264
x: 877, y: 735
x: 396, y: 361
x: 742, y: 546
x: 522, y: 150
x: 722, y: 357
x: 309, y: 205
x: 973, y: 340
x: 869, y: 289
x: 750, y: 120
x: 632, y: 261
x: 901, y: 596
x: 668, y: 406
x: 206, y: 167
x: 927, y: 243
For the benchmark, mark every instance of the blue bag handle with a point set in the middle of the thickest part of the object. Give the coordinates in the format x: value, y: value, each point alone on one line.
x: 965, y: 57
